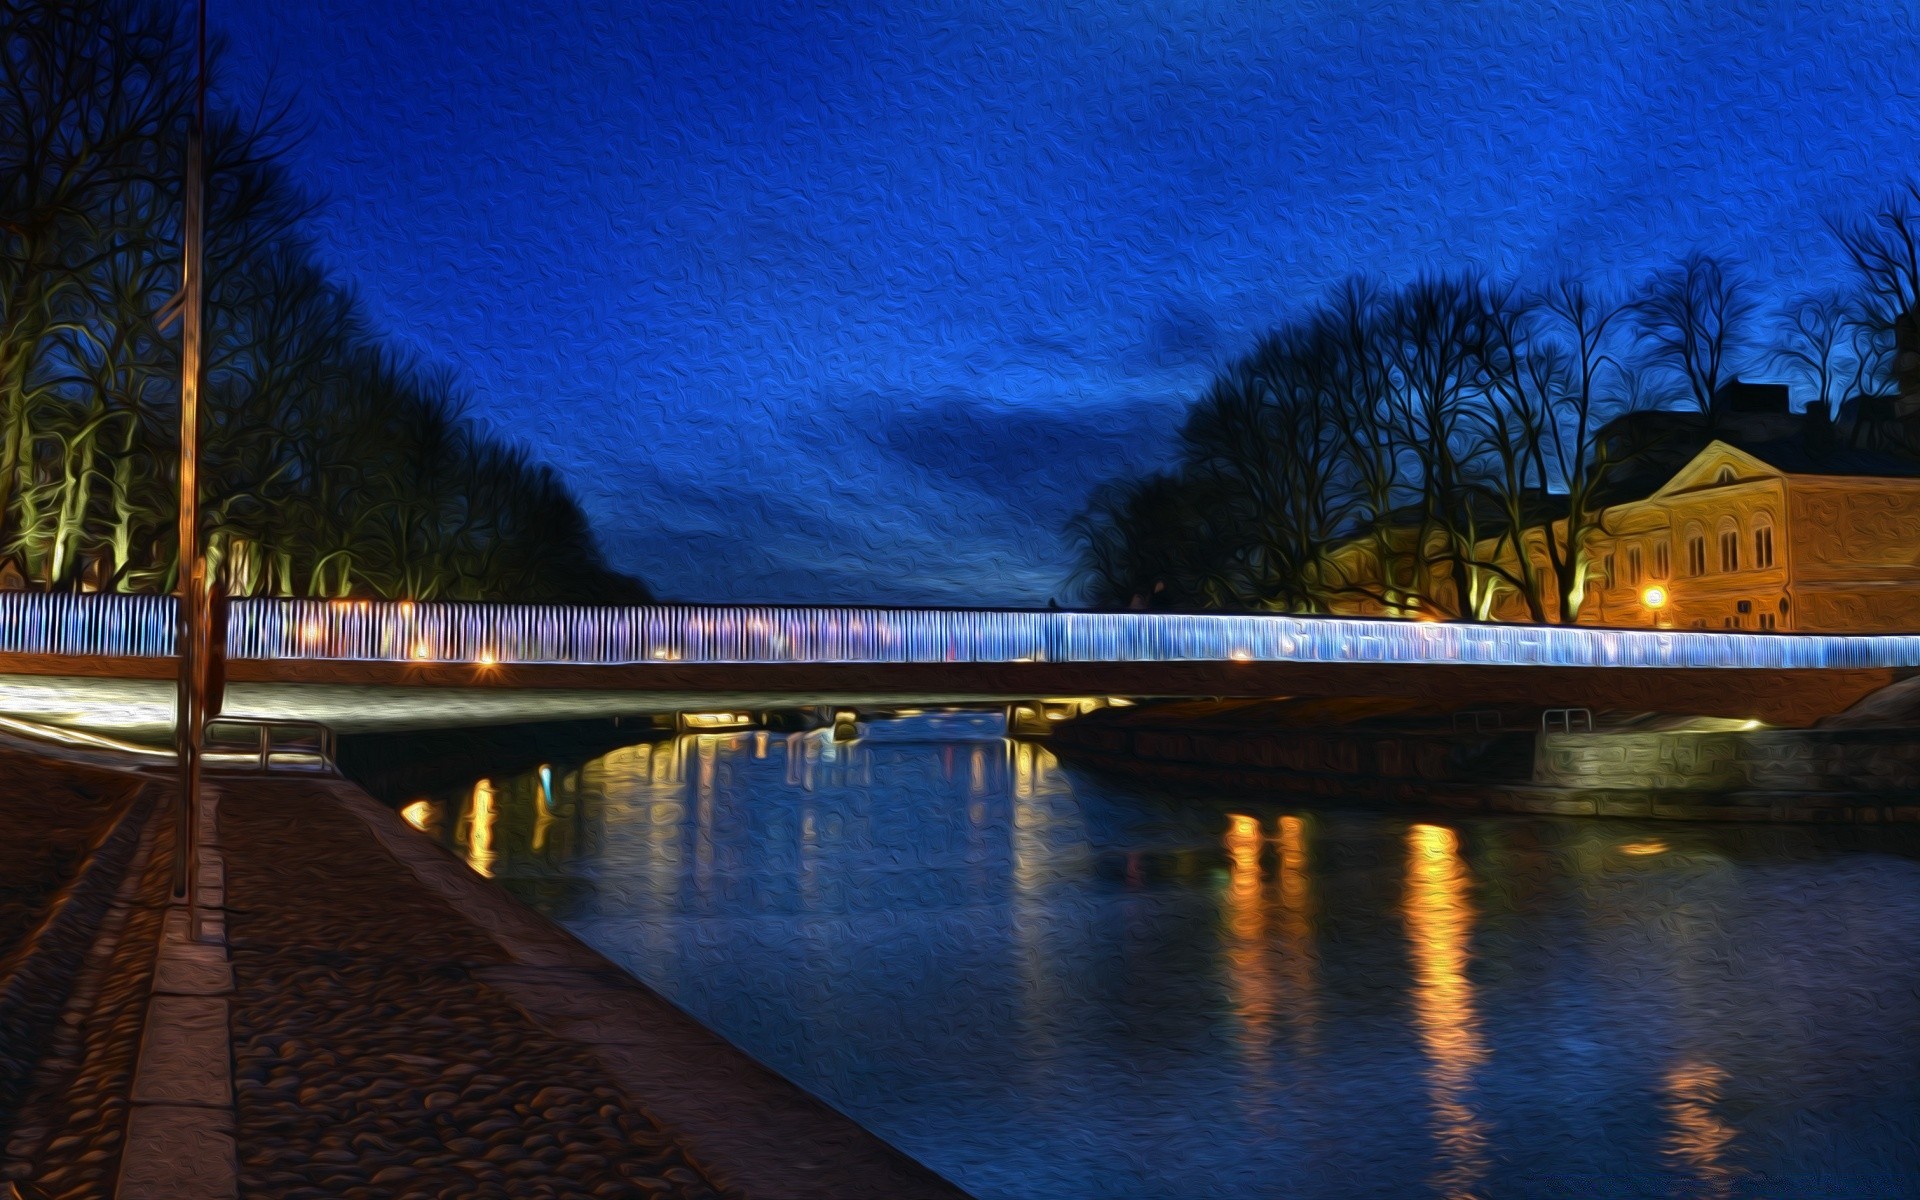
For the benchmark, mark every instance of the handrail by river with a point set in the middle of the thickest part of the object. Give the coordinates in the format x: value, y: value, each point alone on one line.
x: 261, y: 732
x: 484, y: 634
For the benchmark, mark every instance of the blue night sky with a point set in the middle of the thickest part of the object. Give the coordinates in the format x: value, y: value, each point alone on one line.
x: 857, y: 303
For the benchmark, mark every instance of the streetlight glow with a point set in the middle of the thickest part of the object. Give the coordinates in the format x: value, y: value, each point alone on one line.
x: 1654, y: 597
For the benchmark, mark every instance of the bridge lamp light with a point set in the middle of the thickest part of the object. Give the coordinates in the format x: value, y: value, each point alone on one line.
x: 1241, y: 656
x: 1655, y: 597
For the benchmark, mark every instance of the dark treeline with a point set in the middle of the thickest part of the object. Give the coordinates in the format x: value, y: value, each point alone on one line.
x: 1393, y: 448
x: 332, y: 466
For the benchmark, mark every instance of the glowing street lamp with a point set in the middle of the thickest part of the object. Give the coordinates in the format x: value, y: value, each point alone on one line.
x: 1654, y: 597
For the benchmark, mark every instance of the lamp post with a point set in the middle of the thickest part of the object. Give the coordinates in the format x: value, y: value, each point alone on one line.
x: 190, y: 711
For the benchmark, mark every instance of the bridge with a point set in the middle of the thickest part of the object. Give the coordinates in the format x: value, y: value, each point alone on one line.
x: 105, y: 661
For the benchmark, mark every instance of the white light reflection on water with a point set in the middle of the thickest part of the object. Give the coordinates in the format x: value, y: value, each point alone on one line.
x: 1046, y: 983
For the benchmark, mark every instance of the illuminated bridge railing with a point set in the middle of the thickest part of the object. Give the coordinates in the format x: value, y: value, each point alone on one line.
x: 113, y: 625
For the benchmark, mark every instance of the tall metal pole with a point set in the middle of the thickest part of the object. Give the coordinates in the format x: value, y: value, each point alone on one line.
x: 190, y: 714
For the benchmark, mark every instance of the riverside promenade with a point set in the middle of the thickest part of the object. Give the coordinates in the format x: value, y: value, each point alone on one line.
x: 359, y: 1015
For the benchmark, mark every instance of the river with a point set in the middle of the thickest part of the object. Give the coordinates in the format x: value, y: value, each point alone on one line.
x: 1048, y: 983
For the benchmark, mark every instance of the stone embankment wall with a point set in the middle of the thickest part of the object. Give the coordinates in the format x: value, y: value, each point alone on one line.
x: 1763, y: 775
x: 1852, y: 760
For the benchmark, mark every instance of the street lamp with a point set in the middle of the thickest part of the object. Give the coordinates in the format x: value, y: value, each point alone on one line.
x: 1655, y: 599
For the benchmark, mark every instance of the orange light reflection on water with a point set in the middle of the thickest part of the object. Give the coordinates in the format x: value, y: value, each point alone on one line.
x: 1699, y: 1139
x: 1440, y: 915
x: 1250, y: 964
x: 419, y: 814
x: 1298, y: 974
x: 480, y: 855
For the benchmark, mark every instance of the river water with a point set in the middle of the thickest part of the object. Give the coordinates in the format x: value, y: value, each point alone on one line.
x: 1048, y: 983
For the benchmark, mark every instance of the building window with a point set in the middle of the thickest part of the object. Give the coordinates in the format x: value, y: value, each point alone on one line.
x: 1633, y: 566
x: 1606, y: 571
x: 1730, y: 550
x: 1725, y: 476
x: 1696, y: 555
x: 1660, y: 564
x: 1766, y: 621
x: 1763, y: 546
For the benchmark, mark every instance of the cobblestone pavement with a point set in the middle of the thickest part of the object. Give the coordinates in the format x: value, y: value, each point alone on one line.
x: 51, y: 815
x: 369, y: 1062
x: 71, y: 1128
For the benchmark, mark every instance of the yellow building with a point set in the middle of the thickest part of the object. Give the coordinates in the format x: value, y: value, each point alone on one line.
x: 1768, y: 538
x: 1771, y: 537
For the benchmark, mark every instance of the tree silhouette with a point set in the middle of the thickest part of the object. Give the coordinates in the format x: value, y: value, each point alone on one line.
x: 331, y: 467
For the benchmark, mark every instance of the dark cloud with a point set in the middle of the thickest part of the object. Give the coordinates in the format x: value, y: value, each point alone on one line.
x: 1005, y: 449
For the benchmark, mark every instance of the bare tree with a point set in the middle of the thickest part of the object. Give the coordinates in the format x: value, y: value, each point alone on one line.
x: 328, y: 468
x: 1696, y: 319
x: 1885, y: 253
x: 1434, y: 332
x: 1592, y: 387
x: 1815, y: 341
x: 1522, y: 381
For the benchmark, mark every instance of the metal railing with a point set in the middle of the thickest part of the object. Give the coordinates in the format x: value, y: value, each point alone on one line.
x: 314, y: 742
x: 489, y: 634
x: 1566, y: 719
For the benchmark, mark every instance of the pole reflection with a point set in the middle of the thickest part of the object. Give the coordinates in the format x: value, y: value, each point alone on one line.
x: 1439, y: 915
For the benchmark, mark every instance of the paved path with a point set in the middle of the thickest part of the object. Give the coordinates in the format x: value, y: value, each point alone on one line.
x: 356, y: 1014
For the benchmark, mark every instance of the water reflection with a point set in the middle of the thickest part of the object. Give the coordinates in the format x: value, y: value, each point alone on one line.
x: 1251, y: 968
x: 1439, y: 915
x: 543, y: 811
x: 421, y: 814
x: 477, y: 828
x: 1050, y: 983
x: 1297, y: 974
x: 1698, y: 1143
x: 1040, y: 831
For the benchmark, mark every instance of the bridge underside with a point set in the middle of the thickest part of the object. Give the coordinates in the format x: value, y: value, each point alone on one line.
x: 135, y: 695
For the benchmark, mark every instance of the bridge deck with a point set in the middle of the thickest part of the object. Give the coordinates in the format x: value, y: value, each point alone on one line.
x: 488, y: 634
x: 406, y: 662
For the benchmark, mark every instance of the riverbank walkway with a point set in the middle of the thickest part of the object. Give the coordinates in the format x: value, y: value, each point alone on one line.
x: 360, y: 1015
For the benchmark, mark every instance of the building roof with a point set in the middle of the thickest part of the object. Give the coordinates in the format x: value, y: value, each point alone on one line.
x: 1796, y: 456
x: 1651, y: 446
